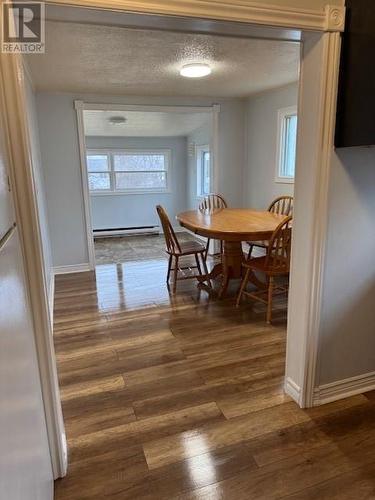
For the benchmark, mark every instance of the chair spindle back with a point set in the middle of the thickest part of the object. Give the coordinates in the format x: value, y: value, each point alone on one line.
x: 212, y: 202
x: 171, y: 240
x: 283, y: 205
x: 279, y: 248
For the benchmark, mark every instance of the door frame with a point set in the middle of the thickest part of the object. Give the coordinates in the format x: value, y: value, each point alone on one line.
x: 26, y: 208
x: 80, y: 106
x: 302, y: 346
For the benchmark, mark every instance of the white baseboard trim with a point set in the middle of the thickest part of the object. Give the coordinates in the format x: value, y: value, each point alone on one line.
x: 73, y: 268
x: 51, y: 296
x: 293, y: 390
x: 344, y: 388
x: 115, y: 233
x: 139, y: 232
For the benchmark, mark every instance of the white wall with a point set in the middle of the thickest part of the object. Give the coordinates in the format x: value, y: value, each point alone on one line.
x: 260, y: 187
x: 200, y: 137
x: 60, y: 158
x: 347, y: 336
x: 40, y: 185
x: 134, y: 210
x: 25, y: 460
x: 346, y: 346
x: 231, y: 151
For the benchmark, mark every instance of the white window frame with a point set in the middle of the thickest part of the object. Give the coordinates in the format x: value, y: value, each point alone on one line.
x: 281, y: 119
x: 199, y: 151
x: 111, y: 153
x: 101, y: 152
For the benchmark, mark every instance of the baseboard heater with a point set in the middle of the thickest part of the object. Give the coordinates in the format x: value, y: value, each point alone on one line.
x: 125, y: 231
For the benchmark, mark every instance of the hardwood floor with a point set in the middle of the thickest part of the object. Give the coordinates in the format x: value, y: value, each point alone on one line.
x: 181, y: 398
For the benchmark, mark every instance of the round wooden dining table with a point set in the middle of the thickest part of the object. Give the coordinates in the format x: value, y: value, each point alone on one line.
x: 232, y: 226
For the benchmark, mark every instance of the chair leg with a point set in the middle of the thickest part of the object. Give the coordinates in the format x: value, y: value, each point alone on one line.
x: 205, y: 269
x: 169, y: 268
x: 270, y: 297
x: 250, y: 252
x: 221, y: 247
x: 243, y: 286
x: 207, y: 249
x: 198, y: 264
x: 175, y: 275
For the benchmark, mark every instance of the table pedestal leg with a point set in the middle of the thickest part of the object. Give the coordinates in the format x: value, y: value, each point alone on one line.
x: 232, y: 263
x: 230, y: 266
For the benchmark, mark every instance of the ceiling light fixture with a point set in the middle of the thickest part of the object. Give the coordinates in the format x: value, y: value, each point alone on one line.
x: 196, y: 70
x: 117, y: 120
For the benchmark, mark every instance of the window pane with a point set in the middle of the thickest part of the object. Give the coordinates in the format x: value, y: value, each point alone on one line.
x: 98, y: 182
x: 290, y: 140
x: 141, y: 180
x: 206, y: 173
x: 97, y: 163
x: 134, y: 162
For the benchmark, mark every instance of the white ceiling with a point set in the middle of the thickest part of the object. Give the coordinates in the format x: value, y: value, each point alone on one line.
x: 116, y: 60
x: 143, y: 124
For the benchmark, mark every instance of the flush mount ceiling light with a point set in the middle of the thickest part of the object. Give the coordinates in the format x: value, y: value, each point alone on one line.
x: 117, y: 120
x: 196, y: 70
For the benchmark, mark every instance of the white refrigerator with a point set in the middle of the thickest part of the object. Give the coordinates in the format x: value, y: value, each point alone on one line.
x: 25, y: 463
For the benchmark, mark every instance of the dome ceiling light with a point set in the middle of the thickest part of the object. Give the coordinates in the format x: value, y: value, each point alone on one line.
x: 117, y: 120
x: 196, y: 70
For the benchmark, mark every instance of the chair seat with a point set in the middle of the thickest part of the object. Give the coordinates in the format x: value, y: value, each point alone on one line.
x: 259, y: 264
x: 191, y: 247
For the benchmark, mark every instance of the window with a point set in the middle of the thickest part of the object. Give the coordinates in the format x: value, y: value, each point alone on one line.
x: 287, y: 139
x: 203, y: 171
x: 128, y: 171
x: 99, y: 174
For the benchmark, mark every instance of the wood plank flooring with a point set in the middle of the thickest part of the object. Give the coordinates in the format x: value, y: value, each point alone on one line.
x: 181, y: 397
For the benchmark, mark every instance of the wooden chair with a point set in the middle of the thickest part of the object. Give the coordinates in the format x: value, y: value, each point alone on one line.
x: 274, y: 264
x: 175, y: 250
x: 209, y: 204
x: 283, y: 205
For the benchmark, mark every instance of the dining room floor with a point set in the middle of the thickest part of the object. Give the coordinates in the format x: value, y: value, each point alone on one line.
x: 132, y: 248
x: 181, y: 397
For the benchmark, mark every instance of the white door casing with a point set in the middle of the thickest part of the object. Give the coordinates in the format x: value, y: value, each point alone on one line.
x: 80, y: 106
x: 21, y: 177
x: 25, y: 461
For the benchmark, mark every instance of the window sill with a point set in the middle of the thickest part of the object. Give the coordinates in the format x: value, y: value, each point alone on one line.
x: 284, y: 180
x: 126, y: 193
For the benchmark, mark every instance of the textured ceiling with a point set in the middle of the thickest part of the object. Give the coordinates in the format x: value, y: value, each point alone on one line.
x: 115, y: 60
x: 143, y: 124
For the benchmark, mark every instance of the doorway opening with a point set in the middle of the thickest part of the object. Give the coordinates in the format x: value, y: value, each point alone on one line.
x: 134, y: 158
x: 319, y: 48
